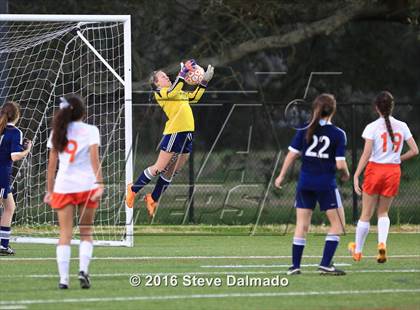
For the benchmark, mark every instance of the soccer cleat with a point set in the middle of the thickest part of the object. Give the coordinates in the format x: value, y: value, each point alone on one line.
x: 130, y: 196
x: 330, y: 271
x: 62, y: 286
x: 6, y: 251
x: 150, y: 205
x: 293, y: 271
x: 381, y: 258
x: 357, y: 257
x: 84, y: 280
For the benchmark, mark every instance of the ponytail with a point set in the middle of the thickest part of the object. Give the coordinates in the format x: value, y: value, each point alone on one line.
x: 9, y: 112
x: 389, y: 128
x: 324, y: 105
x: 316, y: 116
x: 71, y: 109
x: 3, y: 122
x: 384, y: 102
x: 60, y: 123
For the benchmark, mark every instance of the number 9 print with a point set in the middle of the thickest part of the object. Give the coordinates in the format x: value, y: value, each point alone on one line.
x: 71, y: 148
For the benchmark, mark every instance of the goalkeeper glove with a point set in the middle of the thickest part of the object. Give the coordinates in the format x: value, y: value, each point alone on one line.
x: 208, y: 75
x: 184, y: 70
x: 190, y: 64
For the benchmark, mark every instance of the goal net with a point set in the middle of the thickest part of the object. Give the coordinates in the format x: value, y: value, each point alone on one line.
x: 43, y: 58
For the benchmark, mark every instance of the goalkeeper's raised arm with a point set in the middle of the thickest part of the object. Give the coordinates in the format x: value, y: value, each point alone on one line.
x: 196, y: 95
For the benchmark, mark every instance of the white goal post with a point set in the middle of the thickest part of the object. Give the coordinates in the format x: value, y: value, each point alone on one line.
x: 42, y: 58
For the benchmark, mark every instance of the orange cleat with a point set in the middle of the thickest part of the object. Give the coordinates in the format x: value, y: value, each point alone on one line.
x: 130, y: 196
x: 381, y: 258
x: 357, y: 257
x: 151, y: 205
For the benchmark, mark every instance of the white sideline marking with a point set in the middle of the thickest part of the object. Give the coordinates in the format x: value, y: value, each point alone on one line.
x: 204, y: 296
x: 267, y: 266
x: 283, y: 272
x: 195, y: 257
x: 12, y: 307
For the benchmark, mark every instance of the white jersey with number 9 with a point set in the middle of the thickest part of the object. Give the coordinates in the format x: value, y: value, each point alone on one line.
x: 75, y: 173
x: 384, y: 150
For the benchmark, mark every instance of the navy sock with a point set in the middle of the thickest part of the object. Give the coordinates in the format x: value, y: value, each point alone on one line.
x: 161, y: 185
x: 297, y: 251
x: 331, y: 243
x: 5, y: 236
x: 142, y: 181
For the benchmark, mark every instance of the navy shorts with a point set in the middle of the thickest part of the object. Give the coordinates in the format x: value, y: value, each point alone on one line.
x: 5, y: 180
x: 179, y: 142
x: 327, y: 199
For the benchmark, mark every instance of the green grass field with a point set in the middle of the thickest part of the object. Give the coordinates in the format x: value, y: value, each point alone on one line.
x: 29, y: 279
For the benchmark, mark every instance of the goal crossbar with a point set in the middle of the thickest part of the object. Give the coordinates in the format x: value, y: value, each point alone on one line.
x: 63, y: 18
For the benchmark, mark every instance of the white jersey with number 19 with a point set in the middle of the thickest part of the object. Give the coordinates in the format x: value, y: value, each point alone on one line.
x: 384, y: 150
x: 75, y: 173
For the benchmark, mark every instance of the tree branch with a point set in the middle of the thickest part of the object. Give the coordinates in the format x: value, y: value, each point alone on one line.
x: 304, y: 32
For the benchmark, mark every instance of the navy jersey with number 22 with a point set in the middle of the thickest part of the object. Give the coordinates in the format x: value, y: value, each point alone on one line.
x: 319, y: 156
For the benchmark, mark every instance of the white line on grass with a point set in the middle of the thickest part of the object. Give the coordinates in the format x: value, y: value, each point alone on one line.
x: 204, y: 296
x: 267, y: 266
x: 195, y: 257
x: 13, y: 307
x: 110, y: 275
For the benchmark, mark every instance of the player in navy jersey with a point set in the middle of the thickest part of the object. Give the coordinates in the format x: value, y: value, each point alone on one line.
x: 11, y: 149
x: 321, y: 147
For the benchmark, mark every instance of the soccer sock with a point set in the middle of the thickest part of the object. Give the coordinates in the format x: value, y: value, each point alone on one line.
x: 362, y: 231
x: 297, y: 251
x: 161, y: 185
x: 142, y: 181
x: 5, y: 236
x: 85, y: 255
x: 63, y: 262
x: 383, y: 229
x: 331, y: 243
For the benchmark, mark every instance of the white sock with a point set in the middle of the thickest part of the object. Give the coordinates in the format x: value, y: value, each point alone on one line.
x: 85, y: 254
x: 383, y: 229
x: 362, y: 231
x: 63, y: 262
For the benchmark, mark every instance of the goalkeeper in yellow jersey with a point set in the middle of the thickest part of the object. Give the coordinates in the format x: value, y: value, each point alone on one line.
x: 178, y: 134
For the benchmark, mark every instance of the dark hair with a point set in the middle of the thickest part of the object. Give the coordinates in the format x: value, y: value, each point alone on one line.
x: 324, y: 105
x: 384, y: 102
x: 73, y: 111
x: 9, y: 112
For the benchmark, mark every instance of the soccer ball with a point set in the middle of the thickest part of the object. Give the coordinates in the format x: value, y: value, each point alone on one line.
x: 195, y: 75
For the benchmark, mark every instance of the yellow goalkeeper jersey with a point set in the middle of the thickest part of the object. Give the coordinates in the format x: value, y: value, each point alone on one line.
x: 176, y: 104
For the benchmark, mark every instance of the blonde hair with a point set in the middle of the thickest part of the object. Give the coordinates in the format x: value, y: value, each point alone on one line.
x: 152, y: 78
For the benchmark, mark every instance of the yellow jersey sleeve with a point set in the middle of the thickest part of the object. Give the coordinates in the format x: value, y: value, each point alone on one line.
x: 196, y: 94
x: 173, y: 91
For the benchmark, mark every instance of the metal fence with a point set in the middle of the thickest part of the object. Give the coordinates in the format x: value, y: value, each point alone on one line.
x: 239, y: 147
